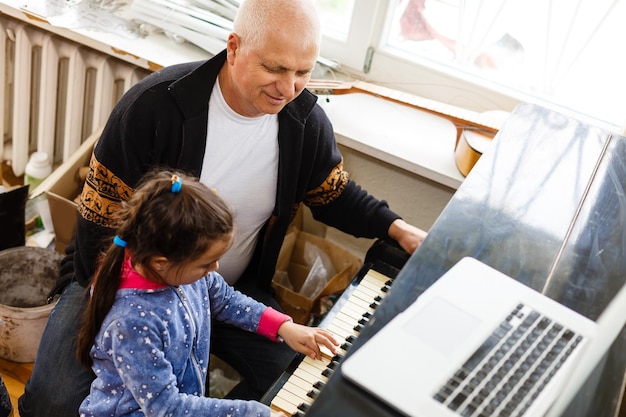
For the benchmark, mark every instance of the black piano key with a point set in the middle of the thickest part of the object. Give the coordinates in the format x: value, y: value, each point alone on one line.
x: 319, y: 385
x: 313, y: 393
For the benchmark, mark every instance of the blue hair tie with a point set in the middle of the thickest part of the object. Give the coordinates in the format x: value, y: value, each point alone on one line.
x: 119, y: 241
x: 177, y: 184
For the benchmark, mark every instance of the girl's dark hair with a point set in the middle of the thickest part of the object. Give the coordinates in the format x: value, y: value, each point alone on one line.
x: 154, y: 222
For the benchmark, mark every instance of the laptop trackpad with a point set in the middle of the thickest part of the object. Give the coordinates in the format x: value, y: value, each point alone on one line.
x: 441, y: 326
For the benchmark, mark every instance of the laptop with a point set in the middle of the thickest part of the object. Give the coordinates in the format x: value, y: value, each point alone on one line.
x: 475, y: 343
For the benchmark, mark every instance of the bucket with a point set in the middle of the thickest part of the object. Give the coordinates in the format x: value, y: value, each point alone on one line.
x: 27, y: 274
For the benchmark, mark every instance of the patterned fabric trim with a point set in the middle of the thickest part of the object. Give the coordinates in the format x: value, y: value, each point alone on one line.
x: 294, y: 211
x: 102, y: 194
x: 330, y: 189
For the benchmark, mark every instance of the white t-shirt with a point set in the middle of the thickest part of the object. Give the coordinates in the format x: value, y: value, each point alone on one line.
x: 241, y: 163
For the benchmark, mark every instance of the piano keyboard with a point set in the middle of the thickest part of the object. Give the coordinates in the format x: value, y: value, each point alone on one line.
x: 305, y: 382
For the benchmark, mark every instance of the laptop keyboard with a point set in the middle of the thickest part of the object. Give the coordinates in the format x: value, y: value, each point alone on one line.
x: 510, y: 369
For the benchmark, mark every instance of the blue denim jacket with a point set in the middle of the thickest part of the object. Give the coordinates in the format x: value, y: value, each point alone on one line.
x: 152, y: 352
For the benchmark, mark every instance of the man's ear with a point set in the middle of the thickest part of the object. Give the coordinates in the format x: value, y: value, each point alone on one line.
x: 232, y: 45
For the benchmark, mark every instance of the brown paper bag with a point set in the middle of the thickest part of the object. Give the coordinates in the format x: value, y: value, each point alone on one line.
x: 292, y: 265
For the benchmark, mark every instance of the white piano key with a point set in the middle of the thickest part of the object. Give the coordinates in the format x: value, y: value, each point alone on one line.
x: 310, y: 372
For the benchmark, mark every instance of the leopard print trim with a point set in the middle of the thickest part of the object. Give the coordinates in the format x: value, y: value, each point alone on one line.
x: 294, y: 211
x: 102, y: 194
x: 330, y: 189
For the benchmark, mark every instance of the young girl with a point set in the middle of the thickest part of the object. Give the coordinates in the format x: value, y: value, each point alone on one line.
x: 147, y: 326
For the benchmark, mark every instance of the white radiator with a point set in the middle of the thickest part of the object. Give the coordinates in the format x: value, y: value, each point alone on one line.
x: 55, y: 92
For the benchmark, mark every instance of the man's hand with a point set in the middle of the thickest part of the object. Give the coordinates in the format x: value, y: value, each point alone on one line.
x: 408, y: 236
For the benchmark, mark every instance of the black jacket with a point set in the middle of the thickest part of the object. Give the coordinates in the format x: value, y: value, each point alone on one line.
x: 162, y: 121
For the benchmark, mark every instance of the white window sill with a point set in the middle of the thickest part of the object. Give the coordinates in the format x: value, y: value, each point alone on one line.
x: 401, y: 135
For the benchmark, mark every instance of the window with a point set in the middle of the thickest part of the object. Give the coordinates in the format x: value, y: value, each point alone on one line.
x: 347, y: 27
x: 491, y: 54
x: 335, y: 16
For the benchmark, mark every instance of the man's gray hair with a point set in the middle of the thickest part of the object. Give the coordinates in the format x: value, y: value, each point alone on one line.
x: 257, y: 18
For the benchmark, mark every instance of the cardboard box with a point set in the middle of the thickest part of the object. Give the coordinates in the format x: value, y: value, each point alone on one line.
x: 294, y: 262
x: 62, y: 187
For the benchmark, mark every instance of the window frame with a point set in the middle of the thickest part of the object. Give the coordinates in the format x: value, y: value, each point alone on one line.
x: 415, y: 75
x: 353, y: 51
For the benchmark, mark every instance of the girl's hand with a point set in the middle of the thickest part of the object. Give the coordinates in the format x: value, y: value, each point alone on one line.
x: 277, y: 414
x: 307, y: 340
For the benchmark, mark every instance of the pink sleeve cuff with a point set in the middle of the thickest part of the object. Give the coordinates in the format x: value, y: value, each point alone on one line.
x: 270, y: 321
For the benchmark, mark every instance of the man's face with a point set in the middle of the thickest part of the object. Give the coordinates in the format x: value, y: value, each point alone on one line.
x: 265, y: 79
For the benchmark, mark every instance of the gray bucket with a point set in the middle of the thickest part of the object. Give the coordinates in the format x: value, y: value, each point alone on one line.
x: 27, y: 274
